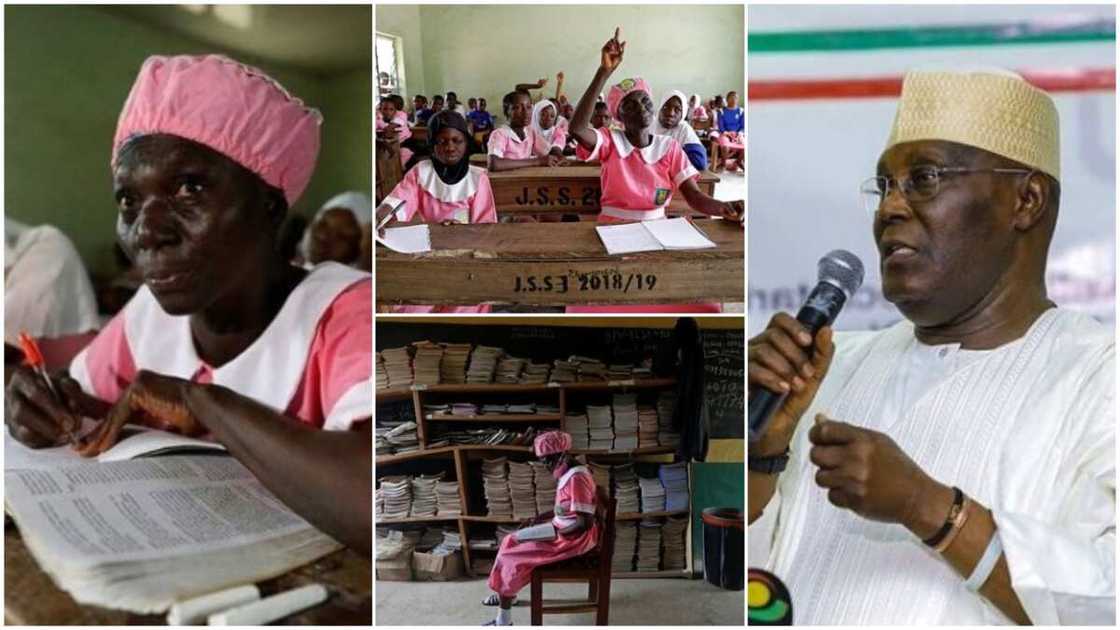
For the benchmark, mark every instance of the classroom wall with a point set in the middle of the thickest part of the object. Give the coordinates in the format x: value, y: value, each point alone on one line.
x: 67, y: 73
x: 403, y: 20
x: 484, y: 50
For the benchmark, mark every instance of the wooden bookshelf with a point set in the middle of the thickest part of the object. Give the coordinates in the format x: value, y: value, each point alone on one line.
x: 459, y: 454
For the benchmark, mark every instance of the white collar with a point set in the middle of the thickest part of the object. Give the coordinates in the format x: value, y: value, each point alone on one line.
x: 462, y: 190
x: 650, y: 153
x: 271, y: 368
x: 568, y: 474
x: 513, y: 134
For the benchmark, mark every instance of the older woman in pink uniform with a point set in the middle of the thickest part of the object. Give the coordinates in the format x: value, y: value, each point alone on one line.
x: 573, y: 518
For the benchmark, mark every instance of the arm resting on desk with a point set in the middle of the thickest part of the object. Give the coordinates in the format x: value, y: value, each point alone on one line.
x: 697, y: 200
x: 324, y: 476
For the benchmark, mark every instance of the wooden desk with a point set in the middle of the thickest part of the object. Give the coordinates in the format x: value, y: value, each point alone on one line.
x: 558, y: 263
x: 566, y: 189
x: 31, y: 598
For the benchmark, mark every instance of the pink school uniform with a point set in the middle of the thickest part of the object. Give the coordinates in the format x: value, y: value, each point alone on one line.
x: 504, y: 143
x: 404, y: 132
x: 424, y: 194
x: 575, y: 493
x: 637, y: 184
x: 312, y: 362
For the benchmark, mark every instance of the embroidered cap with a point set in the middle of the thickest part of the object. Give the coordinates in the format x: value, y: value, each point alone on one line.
x: 991, y: 109
x: 621, y: 89
x: 551, y: 442
x: 230, y: 107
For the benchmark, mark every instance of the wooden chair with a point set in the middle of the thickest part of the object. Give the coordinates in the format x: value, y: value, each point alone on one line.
x: 389, y: 170
x: 594, y: 568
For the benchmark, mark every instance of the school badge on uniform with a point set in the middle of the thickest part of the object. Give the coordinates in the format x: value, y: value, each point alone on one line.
x: 660, y: 196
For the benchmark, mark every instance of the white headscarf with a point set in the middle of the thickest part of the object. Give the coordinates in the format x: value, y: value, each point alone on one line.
x: 356, y: 202
x: 683, y: 132
x: 536, y: 119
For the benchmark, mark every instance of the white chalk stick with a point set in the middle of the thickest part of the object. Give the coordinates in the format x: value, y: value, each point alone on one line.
x: 270, y: 609
x: 193, y: 612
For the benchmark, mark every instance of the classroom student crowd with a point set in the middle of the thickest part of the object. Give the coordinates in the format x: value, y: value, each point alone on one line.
x: 647, y: 149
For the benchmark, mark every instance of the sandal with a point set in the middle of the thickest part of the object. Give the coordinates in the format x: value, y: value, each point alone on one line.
x: 493, y: 600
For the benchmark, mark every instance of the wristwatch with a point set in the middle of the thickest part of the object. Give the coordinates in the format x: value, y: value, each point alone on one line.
x: 769, y: 464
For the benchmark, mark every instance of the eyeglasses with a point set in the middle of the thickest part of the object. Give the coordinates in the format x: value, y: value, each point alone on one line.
x: 920, y: 184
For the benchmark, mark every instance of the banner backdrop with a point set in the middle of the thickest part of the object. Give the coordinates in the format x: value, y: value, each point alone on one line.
x: 808, y: 152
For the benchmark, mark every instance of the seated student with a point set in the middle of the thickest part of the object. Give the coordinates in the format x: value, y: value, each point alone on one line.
x: 640, y: 170
x: 226, y: 339
x: 481, y: 122
x: 696, y: 109
x: 437, y: 104
x: 335, y: 233
x: 730, y: 125
x: 572, y: 518
x: 514, y: 145
x: 472, y: 106
x: 453, y: 105
x: 420, y: 113
x: 601, y: 117
x: 444, y: 188
x: 392, y: 124
x: 549, y: 134
x: 671, y: 122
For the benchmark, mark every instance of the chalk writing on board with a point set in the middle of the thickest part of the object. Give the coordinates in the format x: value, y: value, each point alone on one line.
x: 586, y: 196
x: 537, y: 333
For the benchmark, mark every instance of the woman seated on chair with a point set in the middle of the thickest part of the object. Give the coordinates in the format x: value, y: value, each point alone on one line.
x: 573, y: 518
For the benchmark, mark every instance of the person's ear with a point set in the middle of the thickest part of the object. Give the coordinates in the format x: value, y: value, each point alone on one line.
x: 276, y: 207
x: 1034, y: 201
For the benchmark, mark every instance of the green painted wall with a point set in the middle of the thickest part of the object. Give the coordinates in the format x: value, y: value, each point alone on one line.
x: 713, y: 485
x: 484, y: 50
x: 403, y: 20
x: 67, y: 73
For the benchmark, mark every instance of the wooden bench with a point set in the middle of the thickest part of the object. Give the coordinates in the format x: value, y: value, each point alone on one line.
x: 557, y: 264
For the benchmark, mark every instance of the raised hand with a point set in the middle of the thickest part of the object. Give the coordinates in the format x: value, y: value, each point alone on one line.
x: 612, y: 53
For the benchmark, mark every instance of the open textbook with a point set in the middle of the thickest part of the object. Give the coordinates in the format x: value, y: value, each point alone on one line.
x: 141, y: 534
x: 648, y: 236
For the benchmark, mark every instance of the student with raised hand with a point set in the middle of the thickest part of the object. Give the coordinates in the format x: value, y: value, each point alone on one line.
x: 640, y: 170
x: 513, y: 146
x: 226, y: 338
x: 671, y: 121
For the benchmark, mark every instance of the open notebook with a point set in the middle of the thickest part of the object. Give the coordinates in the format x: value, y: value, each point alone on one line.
x: 648, y: 236
x: 138, y: 532
x: 412, y: 239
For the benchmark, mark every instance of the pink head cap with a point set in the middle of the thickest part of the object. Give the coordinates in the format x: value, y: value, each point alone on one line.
x: 621, y: 89
x: 235, y: 109
x: 551, y: 442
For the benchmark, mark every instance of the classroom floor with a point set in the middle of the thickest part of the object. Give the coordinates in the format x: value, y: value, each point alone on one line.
x: 645, y: 602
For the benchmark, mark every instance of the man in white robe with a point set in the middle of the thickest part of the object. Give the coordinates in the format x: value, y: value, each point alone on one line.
x: 986, y: 387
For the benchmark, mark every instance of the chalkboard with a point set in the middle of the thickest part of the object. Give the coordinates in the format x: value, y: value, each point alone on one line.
x: 724, y: 374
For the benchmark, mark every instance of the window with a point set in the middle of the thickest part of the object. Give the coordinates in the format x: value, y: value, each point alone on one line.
x: 388, y: 63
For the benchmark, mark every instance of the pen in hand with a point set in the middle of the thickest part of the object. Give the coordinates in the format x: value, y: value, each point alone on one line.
x: 33, y: 357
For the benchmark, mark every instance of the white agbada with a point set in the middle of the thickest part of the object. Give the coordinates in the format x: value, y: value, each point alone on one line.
x: 1027, y: 429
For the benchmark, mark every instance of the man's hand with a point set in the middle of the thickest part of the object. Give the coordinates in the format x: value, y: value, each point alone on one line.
x: 866, y: 472
x: 778, y: 359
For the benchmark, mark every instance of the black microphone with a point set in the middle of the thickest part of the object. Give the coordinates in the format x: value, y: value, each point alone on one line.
x: 839, y: 274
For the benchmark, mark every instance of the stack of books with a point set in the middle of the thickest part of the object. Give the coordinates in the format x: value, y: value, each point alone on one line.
x: 447, y: 499
x: 424, y: 499
x: 453, y: 364
x: 380, y: 376
x: 509, y: 370
x: 666, y: 436
x: 625, y: 546
x: 564, y: 371
x: 535, y: 374
x: 396, y: 496
x: 398, y: 366
x: 545, y: 484
x: 625, y: 408
x: 626, y: 489
x: 673, y: 543
x: 674, y: 478
x: 600, y: 428
x: 426, y: 363
x: 495, y: 487
x: 647, y: 426
x: 575, y: 424
x: 523, y: 494
x: 649, y: 545
x: 653, y: 494
x: 483, y: 364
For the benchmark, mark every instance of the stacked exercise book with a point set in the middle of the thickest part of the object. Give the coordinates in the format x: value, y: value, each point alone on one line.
x: 447, y: 499
x: 483, y: 365
x: 674, y: 478
x: 625, y: 408
x: 495, y: 487
x: 653, y: 494
x: 673, y: 543
x: 649, y: 545
x: 666, y: 436
x: 523, y: 493
x: 600, y: 427
x: 453, y: 364
x: 625, y: 546
x: 398, y: 366
x: 575, y: 424
x: 426, y: 363
x: 545, y: 485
